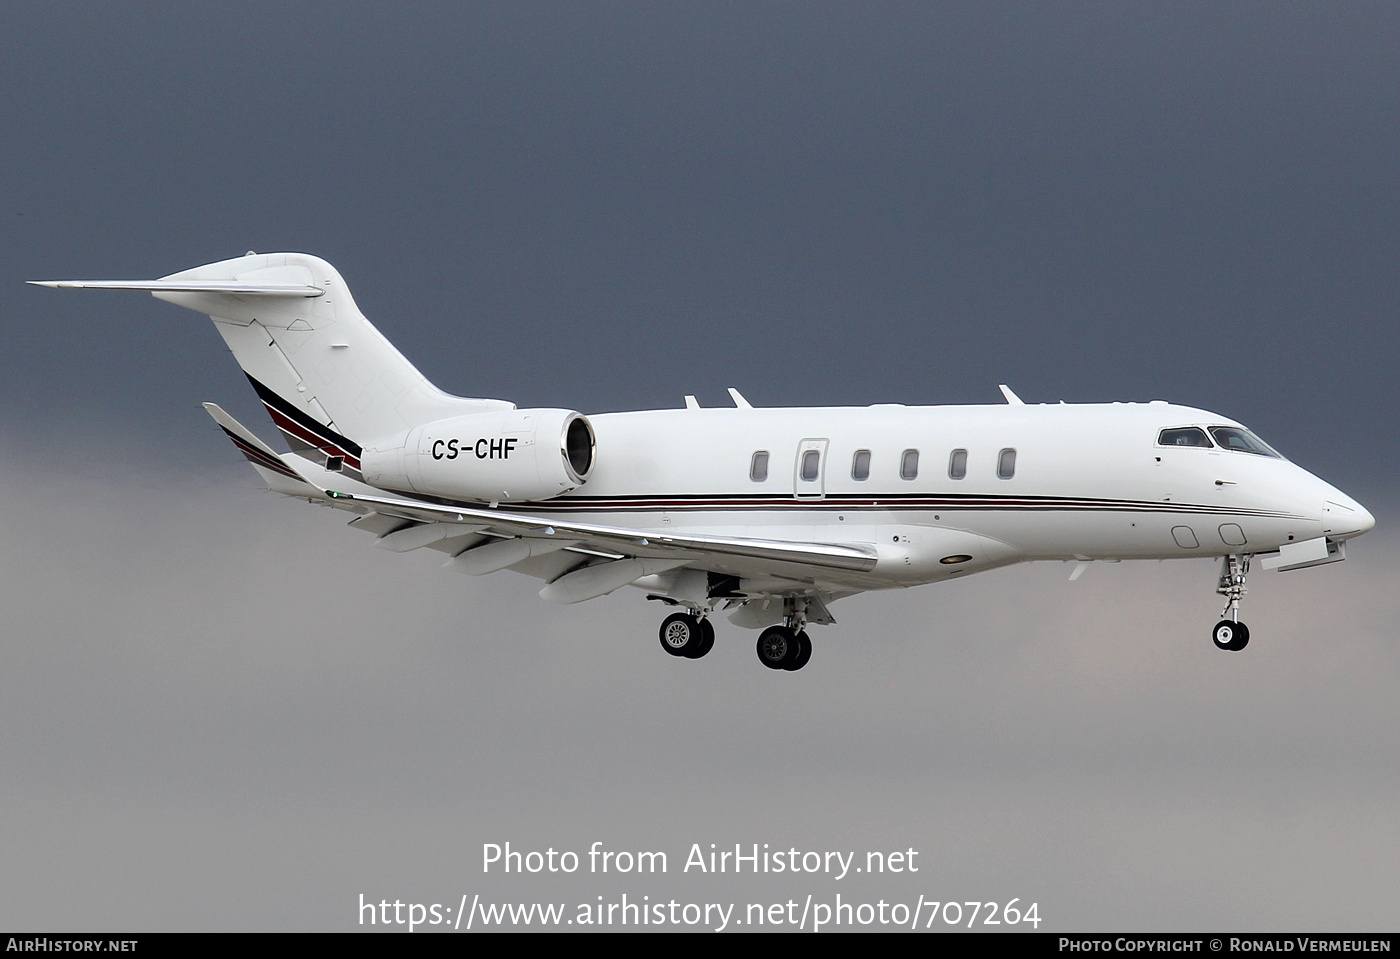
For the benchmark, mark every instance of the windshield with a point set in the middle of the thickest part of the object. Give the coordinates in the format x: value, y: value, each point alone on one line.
x: 1183, y: 436
x: 1242, y: 441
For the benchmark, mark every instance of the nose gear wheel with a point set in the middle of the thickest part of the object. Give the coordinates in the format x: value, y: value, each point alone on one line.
x: 1231, y: 634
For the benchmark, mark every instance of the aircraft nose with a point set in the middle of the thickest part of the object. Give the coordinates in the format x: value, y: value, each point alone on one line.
x: 1343, y: 517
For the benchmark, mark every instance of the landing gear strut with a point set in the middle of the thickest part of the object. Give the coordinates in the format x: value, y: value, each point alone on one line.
x: 1231, y: 634
x: 687, y: 635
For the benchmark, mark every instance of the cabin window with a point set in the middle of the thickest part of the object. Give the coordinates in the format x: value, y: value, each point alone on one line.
x: 1006, y: 464
x: 1242, y: 440
x: 758, y: 467
x: 811, y: 465
x: 957, y: 464
x: 860, y: 465
x: 909, y: 465
x: 1183, y: 436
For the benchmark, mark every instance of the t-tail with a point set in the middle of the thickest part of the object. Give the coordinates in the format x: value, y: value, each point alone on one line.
x: 330, y: 381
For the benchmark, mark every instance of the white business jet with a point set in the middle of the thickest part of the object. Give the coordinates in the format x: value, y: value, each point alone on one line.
x: 771, y: 514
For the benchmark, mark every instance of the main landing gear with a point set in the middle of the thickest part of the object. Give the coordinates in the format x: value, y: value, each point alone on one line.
x: 1231, y: 634
x: 782, y: 647
x: 690, y: 635
x: 787, y: 646
x: 687, y: 635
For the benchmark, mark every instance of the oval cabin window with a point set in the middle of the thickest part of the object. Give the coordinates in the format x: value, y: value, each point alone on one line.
x: 860, y: 465
x: 957, y: 464
x: 909, y: 465
x: 1006, y: 464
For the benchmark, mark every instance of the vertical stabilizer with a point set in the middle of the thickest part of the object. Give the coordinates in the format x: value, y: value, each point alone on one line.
x: 329, y: 379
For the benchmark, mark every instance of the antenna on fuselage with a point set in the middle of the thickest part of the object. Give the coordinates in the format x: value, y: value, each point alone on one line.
x: 1011, y: 398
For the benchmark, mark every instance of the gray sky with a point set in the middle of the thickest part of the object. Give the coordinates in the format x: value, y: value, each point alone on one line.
x: 220, y: 710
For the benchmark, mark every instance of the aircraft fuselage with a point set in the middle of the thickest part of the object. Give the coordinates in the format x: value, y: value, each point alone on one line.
x: 923, y: 484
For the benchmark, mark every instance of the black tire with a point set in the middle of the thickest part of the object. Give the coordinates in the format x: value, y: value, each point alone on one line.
x: 706, y: 641
x: 1230, y: 635
x: 680, y: 634
x: 804, y: 652
x: 777, y: 647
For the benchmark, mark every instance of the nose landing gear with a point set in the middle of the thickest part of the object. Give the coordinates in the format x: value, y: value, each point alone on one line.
x: 1231, y: 634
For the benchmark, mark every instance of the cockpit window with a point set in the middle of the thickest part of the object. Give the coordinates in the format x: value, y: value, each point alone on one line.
x: 1183, y: 436
x: 1242, y: 440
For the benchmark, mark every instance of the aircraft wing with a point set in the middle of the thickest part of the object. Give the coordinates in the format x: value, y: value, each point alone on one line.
x: 629, y: 541
x: 609, y: 557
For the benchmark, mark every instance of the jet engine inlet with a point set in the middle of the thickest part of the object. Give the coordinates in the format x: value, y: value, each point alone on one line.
x: 580, y: 446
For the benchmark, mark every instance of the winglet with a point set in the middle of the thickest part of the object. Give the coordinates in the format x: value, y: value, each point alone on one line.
x: 279, y: 476
x: 238, y: 432
x: 1011, y: 397
x: 739, y: 401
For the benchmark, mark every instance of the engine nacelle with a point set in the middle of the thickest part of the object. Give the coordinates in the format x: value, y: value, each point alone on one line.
x: 506, y: 457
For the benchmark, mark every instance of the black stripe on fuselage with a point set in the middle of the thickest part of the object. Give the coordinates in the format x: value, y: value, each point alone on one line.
x: 920, y: 501
x: 878, y: 503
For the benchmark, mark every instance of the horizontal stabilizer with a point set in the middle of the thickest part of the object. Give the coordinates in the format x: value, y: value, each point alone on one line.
x: 229, y: 287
